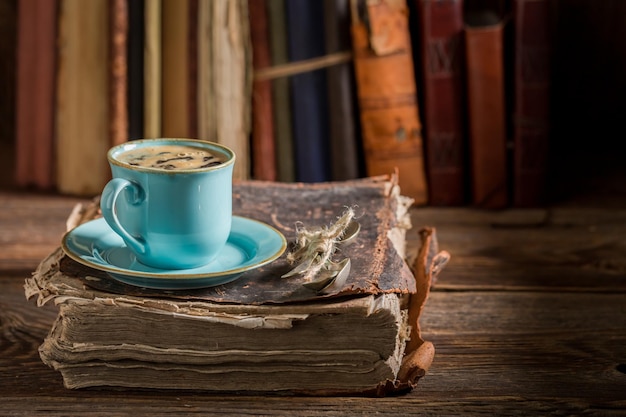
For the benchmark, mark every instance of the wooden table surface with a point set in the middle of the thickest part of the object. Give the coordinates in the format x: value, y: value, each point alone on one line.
x: 528, y: 318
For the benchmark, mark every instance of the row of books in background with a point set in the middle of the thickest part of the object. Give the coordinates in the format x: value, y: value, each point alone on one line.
x: 452, y: 93
x: 92, y: 74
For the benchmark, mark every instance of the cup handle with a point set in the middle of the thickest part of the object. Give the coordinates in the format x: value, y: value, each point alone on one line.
x: 107, y: 204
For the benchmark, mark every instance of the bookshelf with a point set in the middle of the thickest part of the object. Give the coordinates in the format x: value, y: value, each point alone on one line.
x: 588, y: 90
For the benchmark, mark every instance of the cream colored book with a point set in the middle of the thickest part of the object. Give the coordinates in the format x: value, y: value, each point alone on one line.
x: 152, y: 68
x: 225, y: 77
x: 82, y: 103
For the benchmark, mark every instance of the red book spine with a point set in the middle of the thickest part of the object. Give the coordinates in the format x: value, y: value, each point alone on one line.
x: 36, y: 78
x: 118, y: 72
x: 531, y: 101
x: 484, y: 43
x: 263, y: 148
x: 441, y: 26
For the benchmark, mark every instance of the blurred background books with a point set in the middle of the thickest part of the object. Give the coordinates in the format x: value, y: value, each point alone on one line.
x: 278, y: 81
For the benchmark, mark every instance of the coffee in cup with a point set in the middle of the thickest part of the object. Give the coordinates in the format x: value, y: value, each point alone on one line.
x: 170, y: 200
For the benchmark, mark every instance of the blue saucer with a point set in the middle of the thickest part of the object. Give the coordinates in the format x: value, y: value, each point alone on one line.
x: 251, y: 244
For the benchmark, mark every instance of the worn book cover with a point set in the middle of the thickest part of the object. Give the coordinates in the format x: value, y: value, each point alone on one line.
x: 387, y: 94
x: 441, y: 53
x: 362, y: 337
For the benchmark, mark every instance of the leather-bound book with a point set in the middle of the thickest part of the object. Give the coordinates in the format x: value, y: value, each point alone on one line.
x: 387, y: 94
x: 262, y: 151
x: 262, y: 333
x: 486, y: 102
x: 440, y: 25
x: 531, y: 101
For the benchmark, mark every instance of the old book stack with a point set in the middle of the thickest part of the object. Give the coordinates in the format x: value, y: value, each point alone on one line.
x: 261, y: 332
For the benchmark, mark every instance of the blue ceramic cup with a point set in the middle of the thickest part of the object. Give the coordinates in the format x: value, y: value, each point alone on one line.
x: 170, y: 218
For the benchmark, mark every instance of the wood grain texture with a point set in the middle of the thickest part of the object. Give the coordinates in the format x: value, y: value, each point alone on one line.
x: 31, y: 227
x: 558, y: 249
x: 503, y: 346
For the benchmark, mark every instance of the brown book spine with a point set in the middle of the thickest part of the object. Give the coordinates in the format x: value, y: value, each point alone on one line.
x: 441, y: 41
x: 36, y: 79
x: 263, y: 144
x: 192, y: 69
x: 175, y: 68
x: 118, y: 71
x: 484, y: 47
x: 344, y: 142
x: 531, y: 101
x: 387, y: 94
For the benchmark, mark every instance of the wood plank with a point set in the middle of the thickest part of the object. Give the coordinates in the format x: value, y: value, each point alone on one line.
x: 500, y: 348
x: 31, y: 226
x: 561, y: 249
x: 498, y: 353
x: 531, y: 345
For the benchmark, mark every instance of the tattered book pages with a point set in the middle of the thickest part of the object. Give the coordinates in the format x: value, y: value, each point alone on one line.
x: 261, y: 332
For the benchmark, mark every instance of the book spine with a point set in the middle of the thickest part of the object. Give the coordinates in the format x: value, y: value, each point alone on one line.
x: 344, y: 150
x: 441, y: 49
x: 207, y: 126
x: 192, y: 69
x: 262, y: 149
x: 118, y: 71
x: 531, y: 101
x: 225, y: 78
x: 387, y: 94
x: 135, y: 59
x: 281, y: 102
x: 308, y: 92
x: 82, y: 115
x: 175, y: 77
x: 484, y: 48
x: 35, y: 92
x: 152, y: 69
